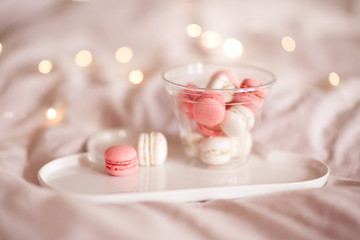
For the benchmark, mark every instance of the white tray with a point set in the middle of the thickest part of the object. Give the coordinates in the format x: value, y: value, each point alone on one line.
x: 84, y: 175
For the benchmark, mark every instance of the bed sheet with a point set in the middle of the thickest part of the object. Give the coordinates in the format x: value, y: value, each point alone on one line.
x: 306, y: 113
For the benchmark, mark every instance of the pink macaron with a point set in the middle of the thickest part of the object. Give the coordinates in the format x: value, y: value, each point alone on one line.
x: 121, y: 160
x: 209, y: 109
x: 249, y: 100
x: 186, y: 100
x: 249, y: 83
x: 210, y: 131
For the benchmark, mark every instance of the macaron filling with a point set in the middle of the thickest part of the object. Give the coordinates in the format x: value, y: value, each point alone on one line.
x: 120, y: 165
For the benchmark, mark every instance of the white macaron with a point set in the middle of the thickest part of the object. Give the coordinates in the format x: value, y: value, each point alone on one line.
x: 242, y: 145
x: 215, y: 150
x: 191, y: 143
x: 237, y: 120
x: 223, y: 80
x: 151, y: 148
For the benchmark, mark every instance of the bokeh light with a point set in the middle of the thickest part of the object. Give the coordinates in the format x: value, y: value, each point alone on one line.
x: 0, y: 48
x: 45, y: 66
x: 8, y: 115
x: 51, y: 113
x: 210, y: 39
x: 124, y: 55
x: 136, y: 77
x: 334, y: 79
x: 83, y: 58
x: 288, y: 44
x: 232, y: 48
x: 193, y: 30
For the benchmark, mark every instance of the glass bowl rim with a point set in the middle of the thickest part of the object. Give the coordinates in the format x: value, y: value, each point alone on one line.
x: 180, y: 86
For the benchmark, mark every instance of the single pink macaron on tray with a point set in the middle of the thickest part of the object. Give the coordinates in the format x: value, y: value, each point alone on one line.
x: 217, y: 106
x: 121, y: 160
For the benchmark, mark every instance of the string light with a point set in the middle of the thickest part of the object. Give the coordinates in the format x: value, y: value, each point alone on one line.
x: 124, y: 55
x: 232, y: 48
x: 45, y: 66
x: 288, y: 44
x: 136, y: 77
x: 51, y: 113
x: 334, y: 79
x: 83, y: 58
x: 210, y: 39
x: 193, y: 30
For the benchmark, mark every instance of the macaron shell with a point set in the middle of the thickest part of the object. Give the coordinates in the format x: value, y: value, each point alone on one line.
x: 209, y: 109
x: 119, y: 154
x: 237, y: 120
x: 186, y: 100
x: 121, y: 160
x: 191, y: 143
x: 210, y: 131
x: 229, y: 75
x: 186, y: 107
x: 215, y: 150
x: 247, y: 113
x: 249, y: 100
x: 152, y: 149
x: 242, y: 145
x: 248, y: 83
x: 234, y: 124
x: 142, y: 149
x: 158, y: 148
x: 224, y: 80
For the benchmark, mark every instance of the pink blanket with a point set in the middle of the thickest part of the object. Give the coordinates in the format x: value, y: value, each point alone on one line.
x: 305, y: 113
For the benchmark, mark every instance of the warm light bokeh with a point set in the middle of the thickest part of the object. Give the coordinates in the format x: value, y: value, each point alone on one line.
x: 232, y: 48
x: 124, y: 55
x: 83, y: 58
x: 210, y: 39
x: 334, y: 79
x: 45, y: 66
x: 288, y: 44
x: 51, y: 113
x: 8, y: 115
x: 193, y: 30
x: 136, y: 77
x: 0, y: 48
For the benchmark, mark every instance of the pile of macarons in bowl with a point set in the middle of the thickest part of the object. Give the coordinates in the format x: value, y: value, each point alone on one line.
x: 216, y: 106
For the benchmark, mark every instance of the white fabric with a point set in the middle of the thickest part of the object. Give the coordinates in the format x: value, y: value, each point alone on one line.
x: 304, y: 114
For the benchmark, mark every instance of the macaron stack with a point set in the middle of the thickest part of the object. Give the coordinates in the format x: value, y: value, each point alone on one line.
x: 123, y: 160
x: 221, y: 120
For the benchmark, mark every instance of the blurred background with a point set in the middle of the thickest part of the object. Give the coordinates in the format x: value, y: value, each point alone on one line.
x: 71, y: 68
